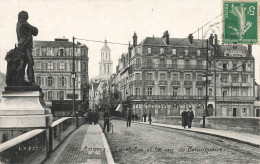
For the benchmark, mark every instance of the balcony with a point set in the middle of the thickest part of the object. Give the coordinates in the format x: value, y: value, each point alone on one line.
x: 166, y: 66
x: 187, y: 82
x: 235, y: 84
x: 246, y: 85
x: 175, y: 83
x: 162, y: 82
x: 149, y: 82
x: 235, y: 98
x: 226, y: 84
x: 164, y: 97
x: 200, y: 83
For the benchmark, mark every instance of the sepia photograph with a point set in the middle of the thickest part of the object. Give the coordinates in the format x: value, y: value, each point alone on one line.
x: 129, y: 82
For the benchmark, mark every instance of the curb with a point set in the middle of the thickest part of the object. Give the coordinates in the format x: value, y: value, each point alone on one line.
x: 217, y: 135
x: 109, y: 157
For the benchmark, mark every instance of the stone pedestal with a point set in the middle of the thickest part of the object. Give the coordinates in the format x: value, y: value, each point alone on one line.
x: 24, y: 107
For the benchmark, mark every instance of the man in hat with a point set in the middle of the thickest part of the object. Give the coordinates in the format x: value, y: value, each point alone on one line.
x: 190, y: 117
x: 106, y: 120
x: 128, y: 117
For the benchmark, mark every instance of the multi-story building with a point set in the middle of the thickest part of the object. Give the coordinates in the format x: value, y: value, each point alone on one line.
x: 166, y: 75
x: 2, y: 84
x: 53, y: 67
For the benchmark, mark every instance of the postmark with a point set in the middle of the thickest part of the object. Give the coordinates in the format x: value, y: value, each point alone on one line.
x: 240, y: 22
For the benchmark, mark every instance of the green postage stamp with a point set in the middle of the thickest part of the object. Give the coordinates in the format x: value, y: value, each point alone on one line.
x: 240, y: 22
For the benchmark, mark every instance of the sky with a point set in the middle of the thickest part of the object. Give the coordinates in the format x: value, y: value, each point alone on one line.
x: 114, y: 20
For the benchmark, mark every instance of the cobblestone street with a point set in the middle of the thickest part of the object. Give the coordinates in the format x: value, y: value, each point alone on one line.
x: 146, y: 144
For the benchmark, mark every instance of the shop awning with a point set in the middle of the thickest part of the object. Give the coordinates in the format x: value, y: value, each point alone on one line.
x: 119, y: 108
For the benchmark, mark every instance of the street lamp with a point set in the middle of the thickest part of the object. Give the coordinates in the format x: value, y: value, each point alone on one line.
x: 73, y: 76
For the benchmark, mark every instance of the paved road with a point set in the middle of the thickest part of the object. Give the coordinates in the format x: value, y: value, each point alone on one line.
x: 146, y: 144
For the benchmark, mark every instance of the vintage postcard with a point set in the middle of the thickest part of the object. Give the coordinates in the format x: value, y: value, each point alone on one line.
x: 129, y: 81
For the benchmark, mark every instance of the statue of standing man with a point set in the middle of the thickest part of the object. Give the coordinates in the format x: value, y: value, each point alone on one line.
x: 25, y: 31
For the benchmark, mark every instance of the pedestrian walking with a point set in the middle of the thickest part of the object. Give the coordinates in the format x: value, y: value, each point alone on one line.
x: 150, y: 117
x: 190, y: 117
x: 90, y: 116
x: 106, y: 120
x: 184, y: 116
x: 144, y: 117
x: 128, y: 117
x: 95, y: 117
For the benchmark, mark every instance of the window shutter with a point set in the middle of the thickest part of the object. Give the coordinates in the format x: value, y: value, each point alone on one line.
x: 46, y: 81
x: 46, y: 66
x: 53, y: 80
x: 65, y: 81
x: 65, y: 69
x: 54, y: 66
x: 58, y: 66
x: 58, y: 95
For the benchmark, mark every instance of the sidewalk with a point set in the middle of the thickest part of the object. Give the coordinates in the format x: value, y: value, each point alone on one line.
x: 85, y: 145
x: 240, y: 137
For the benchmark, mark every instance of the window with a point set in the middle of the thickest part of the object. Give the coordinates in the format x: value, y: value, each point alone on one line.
x: 84, y: 67
x: 188, y: 91
x: 244, y: 91
x: 234, y: 79
x: 175, y: 92
x: 49, y: 52
x: 200, y: 93
x: 174, y: 51
x: 199, y: 77
x: 244, y: 67
x: 175, y: 77
x: 225, y: 92
x: 162, y: 76
x: 137, y: 91
x: 162, y: 90
x: 186, y: 62
x: 244, y: 112
x: 198, y: 52
x: 138, y: 63
x: 61, y: 95
x: 63, y: 81
x: 224, y: 67
x: 162, y: 63
x: 161, y: 51
x: 50, y: 66
x: 149, y: 50
x: 50, y: 81
x: 37, y: 51
x: 234, y: 65
x: 38, y: 66
x: 186, y: 52
x: 50, y: 95
x: 210, y: 91
x: 61, y: 66
x: 187, y: 77
x: 199, y: 63
x: 234, y: 92
x: 244, y: 79
x: 224, y: 79
x: 149, y: 76
x: 61, y: 52
x: 137, y: 76
x: 149, y: 91
x: 38, y: 80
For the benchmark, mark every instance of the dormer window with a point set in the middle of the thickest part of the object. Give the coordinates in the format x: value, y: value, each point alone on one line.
x: 61, y: 52
x: 186, y: 52
x: 149, y: 50
x: 161, y: 51
x: 174, y: 51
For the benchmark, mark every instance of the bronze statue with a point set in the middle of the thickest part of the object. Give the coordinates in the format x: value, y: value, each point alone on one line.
x: 20, y: 56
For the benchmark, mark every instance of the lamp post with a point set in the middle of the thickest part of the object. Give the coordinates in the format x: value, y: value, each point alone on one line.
x: 206, y: 79
x: 73, y: 75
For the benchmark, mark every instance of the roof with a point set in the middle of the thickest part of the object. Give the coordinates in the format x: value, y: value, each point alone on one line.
x: 55, y: 44
x: 172, y: 42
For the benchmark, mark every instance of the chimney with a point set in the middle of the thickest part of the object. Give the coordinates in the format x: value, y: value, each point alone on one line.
x: 135, y: 40
x: 211, y: 39
x: 130, y: 52
x: 216, y: 39
x: 190, y: 38
x: 249, y: 49
x: 166, y: 36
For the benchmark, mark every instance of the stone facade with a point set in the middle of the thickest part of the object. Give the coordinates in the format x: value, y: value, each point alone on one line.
x: 166, y: 75
x: 53, y: 67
